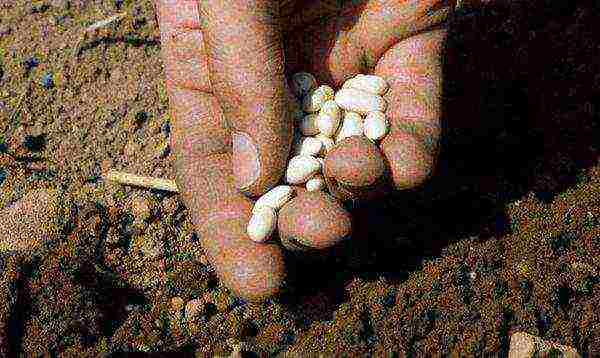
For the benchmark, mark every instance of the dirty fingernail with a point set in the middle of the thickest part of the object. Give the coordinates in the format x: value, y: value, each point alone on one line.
x: 246, y: 165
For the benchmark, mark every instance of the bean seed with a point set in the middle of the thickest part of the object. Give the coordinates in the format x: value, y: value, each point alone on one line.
x: 329, y: 119
x: 327, y: 142
x: 359, y: 101
x: 262, y: 224
x: 315, y: 183
x: 309, y: 146
x: 351, y: 125
x: 301, y: 168
x: 315, y: 98
x: 376, y: 125
x: 276, y: 197
x: 308, y: 125
x: 368, y: 83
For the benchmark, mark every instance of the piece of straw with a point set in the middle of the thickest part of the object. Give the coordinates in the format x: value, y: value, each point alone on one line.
x: 93, y: 27
x: 105, y: 22
x: 137, y: 180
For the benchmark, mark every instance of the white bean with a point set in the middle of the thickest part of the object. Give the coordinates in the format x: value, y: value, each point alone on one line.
x: 301, y: 168
x: 309, y: 146
x: 315, y: 183
x: 352, y: 99
x: 329, y: 118
x: 351, y: 125
x: 308, y: 125
x: 262, y: 224
x: 321, y: 162
x: 302, y: 83
x: 376, y: 125
x: 313, y: 101
x: 327, y: 142
x: 275, y: 198
x: 368, y: 83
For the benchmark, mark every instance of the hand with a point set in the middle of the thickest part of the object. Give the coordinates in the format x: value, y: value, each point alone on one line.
x: 225, y: 75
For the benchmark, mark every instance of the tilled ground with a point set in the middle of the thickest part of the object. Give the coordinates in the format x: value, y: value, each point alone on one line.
x: 505, y: 238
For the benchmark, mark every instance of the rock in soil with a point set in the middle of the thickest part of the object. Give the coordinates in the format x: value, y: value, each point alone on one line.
x: 523, y: 345
x: 34, y: 221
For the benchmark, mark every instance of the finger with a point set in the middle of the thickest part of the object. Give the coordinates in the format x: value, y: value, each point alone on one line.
x: 202, y: 144
x: 245, y: 55
x: 355, y: 169
x: 413, y: 71
x: 384, y: 23
x: 352, y: 40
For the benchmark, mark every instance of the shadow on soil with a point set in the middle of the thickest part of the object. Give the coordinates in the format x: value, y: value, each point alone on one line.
x: 518, y: 120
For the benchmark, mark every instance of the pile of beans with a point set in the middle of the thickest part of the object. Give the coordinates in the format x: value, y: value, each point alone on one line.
x: 323, y: 119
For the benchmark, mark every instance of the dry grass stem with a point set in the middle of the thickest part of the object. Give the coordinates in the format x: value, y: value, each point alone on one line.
x: 105, y: 22
x: 95, y: 26
x: 142, y: 181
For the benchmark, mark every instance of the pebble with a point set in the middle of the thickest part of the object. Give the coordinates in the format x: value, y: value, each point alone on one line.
x: 4, y: 30
x: 523, y: 345
x: 275, y: 198
x: 314, y: 99
x: 301, y: 168
x: 308, y: 146
x: 352, y: 125
x: 33, y: 221
x: 177, y: 303
x: 61, y: 4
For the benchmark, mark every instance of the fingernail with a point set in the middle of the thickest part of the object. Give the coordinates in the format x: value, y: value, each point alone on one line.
x: 245, y: 160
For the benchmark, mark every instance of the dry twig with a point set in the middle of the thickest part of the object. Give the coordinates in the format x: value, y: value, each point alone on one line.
x: 142, y: 181
x: 95, y: 26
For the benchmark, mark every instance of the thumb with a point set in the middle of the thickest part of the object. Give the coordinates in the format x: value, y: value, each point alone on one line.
x: 246, y: 61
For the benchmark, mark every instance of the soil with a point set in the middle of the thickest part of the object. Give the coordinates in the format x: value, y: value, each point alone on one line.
x: 504, y: 238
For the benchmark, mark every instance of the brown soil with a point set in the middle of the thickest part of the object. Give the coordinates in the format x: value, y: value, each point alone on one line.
x: 505, y: 238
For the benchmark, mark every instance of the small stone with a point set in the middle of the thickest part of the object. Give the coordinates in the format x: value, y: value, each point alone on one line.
x: 523, y: 345
x: 5, y: 30
x: 34, y: 221
x: 177, y: 303
x: 61, y: 4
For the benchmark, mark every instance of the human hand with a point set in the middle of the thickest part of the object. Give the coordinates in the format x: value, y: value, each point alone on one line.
x: 225, y: 66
